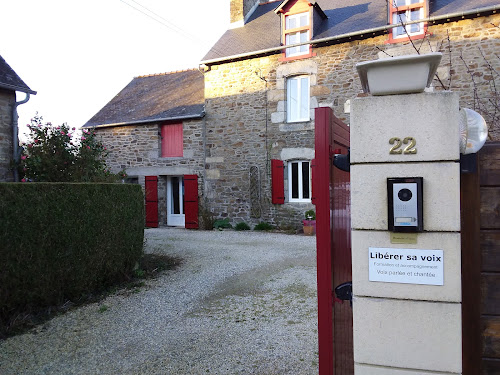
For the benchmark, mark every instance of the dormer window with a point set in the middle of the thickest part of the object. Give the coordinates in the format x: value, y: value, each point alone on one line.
x: 297, y: 29
x: 300, y: 19
x: 404, y: 11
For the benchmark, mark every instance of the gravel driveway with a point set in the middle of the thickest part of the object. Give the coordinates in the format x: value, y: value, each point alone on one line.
x: 241, y: 303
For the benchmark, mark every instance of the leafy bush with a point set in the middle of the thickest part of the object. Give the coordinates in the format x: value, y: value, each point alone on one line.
x: 310, y: 215
x: 242, y: 226
x: 222, y: 223
x: 60, y: 241
x: 263, y: 226
x: 51, y: 154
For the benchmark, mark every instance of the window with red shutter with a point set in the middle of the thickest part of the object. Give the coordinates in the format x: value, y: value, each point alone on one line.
x: 172, y: 140
x: 299, y: 181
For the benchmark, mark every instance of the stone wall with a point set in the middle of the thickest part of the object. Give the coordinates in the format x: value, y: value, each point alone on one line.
x: 474, y: 65
x: 7, y: 99
x: 137, y: 149
x: 245, y: 128
x: 245, y: 105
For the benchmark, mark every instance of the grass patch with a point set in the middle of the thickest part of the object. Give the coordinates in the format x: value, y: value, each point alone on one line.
x: 150, y: 265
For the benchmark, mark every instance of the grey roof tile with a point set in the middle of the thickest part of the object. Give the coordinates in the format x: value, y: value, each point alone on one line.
x: 262, y: 30
x: 157, y: 97
x: 10, y: 80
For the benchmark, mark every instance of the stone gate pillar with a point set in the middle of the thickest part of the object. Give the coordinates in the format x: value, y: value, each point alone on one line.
x: 406, y: 286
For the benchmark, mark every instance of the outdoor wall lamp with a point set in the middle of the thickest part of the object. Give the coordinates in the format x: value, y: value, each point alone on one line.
x: 473, y: 131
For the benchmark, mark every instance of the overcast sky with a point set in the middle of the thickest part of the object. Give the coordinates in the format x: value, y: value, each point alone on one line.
x: 78, y: 55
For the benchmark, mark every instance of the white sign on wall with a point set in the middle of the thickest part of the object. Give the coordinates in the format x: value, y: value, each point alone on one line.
x: 406, y: 266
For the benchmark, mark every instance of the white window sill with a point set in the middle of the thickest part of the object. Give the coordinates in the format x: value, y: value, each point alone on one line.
x: 299, y: 201
x: 297, y: 121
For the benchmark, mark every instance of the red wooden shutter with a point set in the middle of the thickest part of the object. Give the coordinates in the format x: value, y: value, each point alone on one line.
x: 313, y: 167
x: 171, y: 140
x: 278, y: 181
x: 151, y: 188
x: 191, y: 201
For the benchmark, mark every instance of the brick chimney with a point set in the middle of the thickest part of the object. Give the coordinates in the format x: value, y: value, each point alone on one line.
x: 240, y: 10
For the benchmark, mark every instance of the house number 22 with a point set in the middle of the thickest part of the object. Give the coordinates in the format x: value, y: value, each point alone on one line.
x: 396, y: 148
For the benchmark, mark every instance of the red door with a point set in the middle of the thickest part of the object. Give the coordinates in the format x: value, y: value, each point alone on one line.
x: 151, y: 193
x: 333, y: 242
x: 191, y: 201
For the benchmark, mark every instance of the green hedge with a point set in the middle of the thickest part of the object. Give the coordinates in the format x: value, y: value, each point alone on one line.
x: 59, y: 241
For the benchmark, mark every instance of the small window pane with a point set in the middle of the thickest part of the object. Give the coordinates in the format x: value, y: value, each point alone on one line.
x: 414, y: 16
x: 303, y: 36
x: 304, y: 98
x: 293, y: 99
x: 305, y: 180
x: 399, y: 18
x: 175, y: 196
x: 304, y: 19
x: 295, y: 180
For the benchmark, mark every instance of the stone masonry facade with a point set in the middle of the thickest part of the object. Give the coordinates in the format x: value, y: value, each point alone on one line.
x: 7, y: 100
x: 137, y: 149
x: 245, y: 126
x: 245, y: 106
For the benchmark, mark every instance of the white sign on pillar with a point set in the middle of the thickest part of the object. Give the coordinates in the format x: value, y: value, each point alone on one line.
x: 406, y: 266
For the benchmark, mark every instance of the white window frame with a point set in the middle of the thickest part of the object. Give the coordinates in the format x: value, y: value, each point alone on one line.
x: 296, y: 16
x: 294, y: 101
x: 399, y: 32
x: 304, y: 29
x: 299, y: 181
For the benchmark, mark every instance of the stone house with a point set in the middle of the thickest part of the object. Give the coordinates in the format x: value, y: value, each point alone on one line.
x: 279, y: 61
x: 154, y: 129
x: 10, y: 82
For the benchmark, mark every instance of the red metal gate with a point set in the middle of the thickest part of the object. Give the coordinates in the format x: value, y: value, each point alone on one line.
x: 333, y: 242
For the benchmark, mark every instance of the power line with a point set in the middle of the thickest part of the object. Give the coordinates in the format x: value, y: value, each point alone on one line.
x: 168, y: 24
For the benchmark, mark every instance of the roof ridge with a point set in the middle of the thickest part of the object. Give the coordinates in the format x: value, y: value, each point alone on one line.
x: 167, y: 73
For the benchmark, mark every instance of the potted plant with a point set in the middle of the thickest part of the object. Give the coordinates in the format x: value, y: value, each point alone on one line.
x: 309, y: 224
